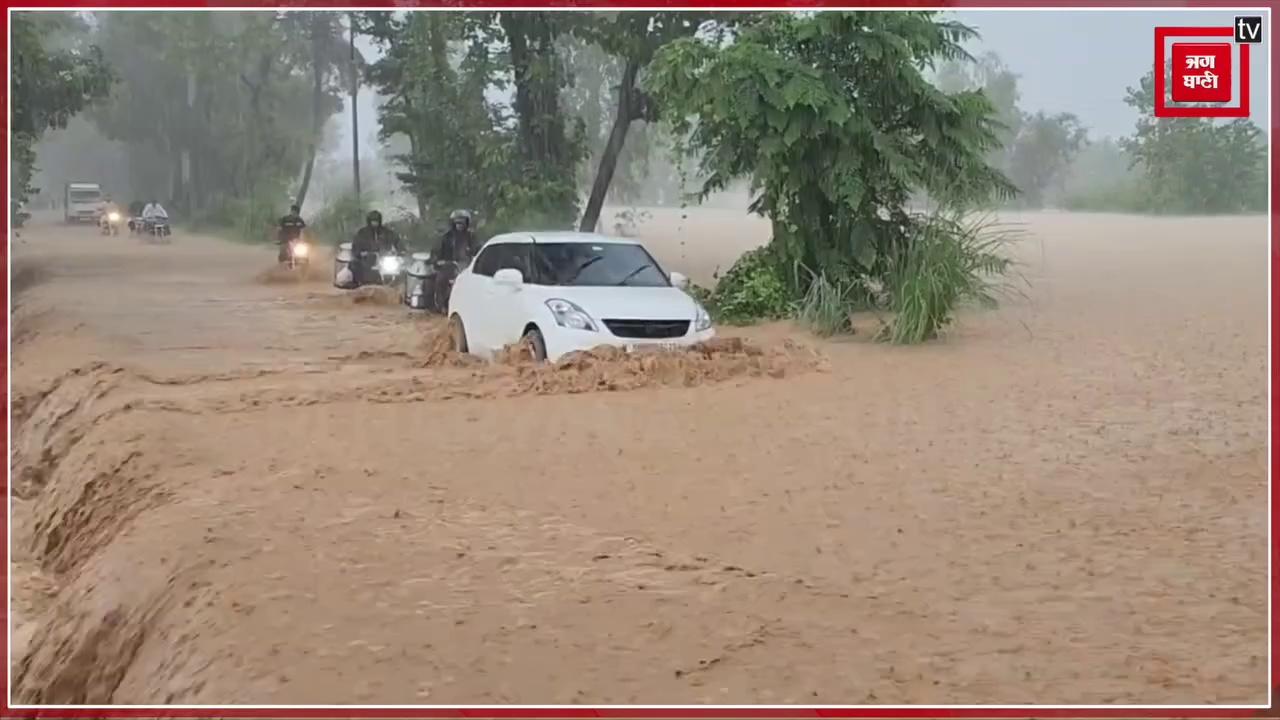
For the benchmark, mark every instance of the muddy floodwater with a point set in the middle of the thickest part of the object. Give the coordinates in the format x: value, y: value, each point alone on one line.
x: 234, y: 487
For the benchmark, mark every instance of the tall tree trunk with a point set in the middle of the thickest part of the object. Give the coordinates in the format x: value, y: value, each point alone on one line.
x: 627, y: 112
x: 420, y: 197
x: 355, y: 109
x: 317, y: 106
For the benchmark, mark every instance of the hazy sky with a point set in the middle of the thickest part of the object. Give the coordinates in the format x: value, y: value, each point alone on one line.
x: 1081, y: 61
x: 1076, y: 61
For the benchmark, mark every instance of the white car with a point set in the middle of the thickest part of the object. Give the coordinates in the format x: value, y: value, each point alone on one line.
x: 560, y: 292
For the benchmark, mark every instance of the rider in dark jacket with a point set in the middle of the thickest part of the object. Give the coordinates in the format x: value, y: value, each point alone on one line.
x: 457, y: 246
x: 459, y: 242
x: 291, y: 227
x: 370, y: 240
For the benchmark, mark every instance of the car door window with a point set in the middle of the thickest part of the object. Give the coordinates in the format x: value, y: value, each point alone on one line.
x: 514, y: 257
x: 487, y: 263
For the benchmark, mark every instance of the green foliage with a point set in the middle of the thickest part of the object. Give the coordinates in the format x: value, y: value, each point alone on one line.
x: 464, y: 152
x: 338, y: 221
x: 827, y: 306
x: 48, y: 86
x: 1035, y: 150
x: 952, y: 259
x: 1196, y: 165
x: 753, y: 289
x: 214, y: 107
x: 1041, y: 154
x: 831, y: 118
x: 253, y: 218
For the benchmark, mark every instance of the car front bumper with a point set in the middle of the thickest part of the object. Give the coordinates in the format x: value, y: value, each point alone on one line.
x: 562, y: 341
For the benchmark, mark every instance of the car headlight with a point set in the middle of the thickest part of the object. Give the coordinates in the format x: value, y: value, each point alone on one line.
x: 300, y: 249
x: 701, y: 319
x: 570, y: 316
x: 389, y: 264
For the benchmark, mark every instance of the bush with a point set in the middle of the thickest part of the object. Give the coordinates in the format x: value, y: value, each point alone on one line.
x: 827, y: 306
x: 949, y: 260
x: 753, y: 289
x: 338, y: 221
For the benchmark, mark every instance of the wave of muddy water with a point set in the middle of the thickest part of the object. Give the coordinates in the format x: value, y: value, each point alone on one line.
x: 231, y: 489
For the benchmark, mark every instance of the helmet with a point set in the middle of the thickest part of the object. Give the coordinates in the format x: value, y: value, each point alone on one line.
x: 463, y: 215
x: 373, y: 217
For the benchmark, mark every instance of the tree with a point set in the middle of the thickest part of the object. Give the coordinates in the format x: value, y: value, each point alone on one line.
x: 989, y: 74
x: 433, y: 88
x: 327, y: 54
x: 634, y: 39
x: 1196, y: 165
x: 48, y: 87
x: 548, y: 150
x: 208, y: 104
x: 1042, y: 153
x: 833, y: 121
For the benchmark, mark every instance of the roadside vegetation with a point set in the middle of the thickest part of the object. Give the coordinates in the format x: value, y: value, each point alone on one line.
x: 873, y: 143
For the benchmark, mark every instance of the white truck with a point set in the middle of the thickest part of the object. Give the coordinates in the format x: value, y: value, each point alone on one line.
x: 82, y: 202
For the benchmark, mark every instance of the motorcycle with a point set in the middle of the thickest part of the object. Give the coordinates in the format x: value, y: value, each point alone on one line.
x: 446, y: 272
x: 389, y: 266
x: 109, y: 223
x: 428, y: 283
x: 157, y: 228
x: 298, y: 253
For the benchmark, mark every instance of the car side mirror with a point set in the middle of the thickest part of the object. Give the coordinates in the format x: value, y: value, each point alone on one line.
x: 679, y: 280
x: 509, y: 277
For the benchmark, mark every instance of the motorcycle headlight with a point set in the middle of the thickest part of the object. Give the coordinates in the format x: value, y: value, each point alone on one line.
x: 701, y: 319
x: 389, y: 264
x: 570, y: 316
x: 114, y: 217
x: 300, y: 249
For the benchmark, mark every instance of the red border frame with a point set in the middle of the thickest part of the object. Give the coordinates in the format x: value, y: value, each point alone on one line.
x: 1162, y: 110
x: 605, y: 712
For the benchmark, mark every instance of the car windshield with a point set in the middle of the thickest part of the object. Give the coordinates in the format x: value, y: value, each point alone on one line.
x: 84, y: 196
x: 597, y: 264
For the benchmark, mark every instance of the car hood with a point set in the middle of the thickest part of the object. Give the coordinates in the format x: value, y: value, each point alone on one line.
x: 628, y: 303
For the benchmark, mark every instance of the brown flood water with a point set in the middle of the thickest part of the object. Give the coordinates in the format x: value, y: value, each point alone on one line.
x: 230, y: 487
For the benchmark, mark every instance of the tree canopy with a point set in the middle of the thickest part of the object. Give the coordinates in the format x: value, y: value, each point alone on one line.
x: 832, y: 119
x: 49, y: 86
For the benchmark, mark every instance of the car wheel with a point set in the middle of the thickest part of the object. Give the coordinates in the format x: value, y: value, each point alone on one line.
x: 535, y: 344
x: 457, y: 335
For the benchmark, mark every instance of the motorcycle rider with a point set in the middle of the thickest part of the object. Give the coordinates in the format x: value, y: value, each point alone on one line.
x: 104, y: 214
x: 459, y: 242
x: 457, y: 247
x: 135, y: 215
x: 370, y: 240
x: 291, y: 227
x: 152, y: 212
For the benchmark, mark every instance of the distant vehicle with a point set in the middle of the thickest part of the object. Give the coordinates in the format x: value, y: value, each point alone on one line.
x: 559, y: 292
x: 83, y: 202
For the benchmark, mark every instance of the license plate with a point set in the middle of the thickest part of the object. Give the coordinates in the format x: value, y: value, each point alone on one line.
x: 664, y: 347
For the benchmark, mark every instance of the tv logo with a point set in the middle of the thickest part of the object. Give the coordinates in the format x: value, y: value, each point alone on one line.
x: 1201, y: 74
x: 1248, y: 29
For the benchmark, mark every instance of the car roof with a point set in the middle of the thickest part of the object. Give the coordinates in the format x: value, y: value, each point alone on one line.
x: 527, y: 238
